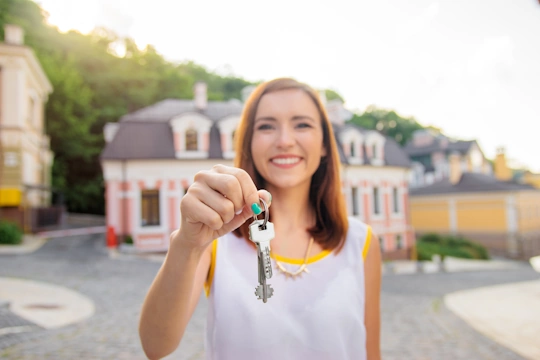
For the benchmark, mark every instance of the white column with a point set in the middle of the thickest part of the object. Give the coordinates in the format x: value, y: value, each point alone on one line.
x: 452, y: 213
x: 512, y: 225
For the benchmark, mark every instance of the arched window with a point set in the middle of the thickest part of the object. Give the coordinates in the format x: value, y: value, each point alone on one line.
x: 353, y: 149
x: 191, y: 140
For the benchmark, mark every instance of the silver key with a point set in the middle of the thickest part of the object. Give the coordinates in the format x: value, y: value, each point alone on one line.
x: 261, y: 232
x: 261, y: 235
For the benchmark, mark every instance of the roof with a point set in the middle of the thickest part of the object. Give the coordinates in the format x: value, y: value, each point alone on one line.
x: 393, y: 153
x: 141, y: 140
x: 147, y: 134
x: 461, y: 146
x: 34, y: 65
x: 470, y: 183
x: 167, y: 109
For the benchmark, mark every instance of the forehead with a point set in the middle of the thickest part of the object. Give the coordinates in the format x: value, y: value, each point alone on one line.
x: 291, y: 102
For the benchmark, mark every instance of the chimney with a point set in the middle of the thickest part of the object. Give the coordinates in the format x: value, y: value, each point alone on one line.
x: 110, y: 130
x: 200, y: 93
x: 13, y: 34
x: 455, y: 168
x: 502, y: 172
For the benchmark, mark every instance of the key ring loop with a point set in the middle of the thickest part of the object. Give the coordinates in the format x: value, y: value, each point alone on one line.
x: 266, y: 213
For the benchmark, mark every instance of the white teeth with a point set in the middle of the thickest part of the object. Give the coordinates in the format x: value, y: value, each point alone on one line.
x: 286, y: 161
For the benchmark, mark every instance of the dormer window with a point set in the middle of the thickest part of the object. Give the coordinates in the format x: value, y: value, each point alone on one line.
x: 375, y: 148
x: 353, y: 142
x: 191, y: 140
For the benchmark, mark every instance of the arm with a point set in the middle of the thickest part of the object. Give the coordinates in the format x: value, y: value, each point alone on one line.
x: 217, y: 202
x: 172, y: 298
x: 372, y: 271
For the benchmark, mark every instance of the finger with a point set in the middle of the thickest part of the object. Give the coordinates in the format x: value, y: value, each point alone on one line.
x: 266, y: 196
x: 249, y: 190
x: 236, y: 222
x: 227, y: 185
x: 196, y: 211
x: 215, y: 201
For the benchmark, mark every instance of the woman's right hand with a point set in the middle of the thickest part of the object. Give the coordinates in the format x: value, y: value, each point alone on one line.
x: 218, y: 202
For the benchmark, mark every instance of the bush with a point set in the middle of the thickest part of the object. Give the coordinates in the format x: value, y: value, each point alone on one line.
x: 454, y: 246
x: 10, y: 233
x: 129, y: 239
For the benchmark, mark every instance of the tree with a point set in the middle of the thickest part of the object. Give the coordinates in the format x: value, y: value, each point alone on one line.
x: 388, y: 122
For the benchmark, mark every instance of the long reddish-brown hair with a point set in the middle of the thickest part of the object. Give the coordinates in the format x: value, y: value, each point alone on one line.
x: 325, y: 194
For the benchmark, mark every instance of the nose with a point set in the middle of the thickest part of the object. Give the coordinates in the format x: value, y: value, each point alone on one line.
x: 286, y: 137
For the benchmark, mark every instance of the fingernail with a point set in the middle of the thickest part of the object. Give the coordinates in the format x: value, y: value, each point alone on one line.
x: 270, y: 196
x: 256, y: 208
x: 239, y: 212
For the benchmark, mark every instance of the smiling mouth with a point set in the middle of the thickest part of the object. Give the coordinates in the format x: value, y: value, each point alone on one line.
x: 286, y: 161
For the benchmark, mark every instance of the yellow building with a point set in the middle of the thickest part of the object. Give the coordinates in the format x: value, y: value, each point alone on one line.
x: 503, y: 216
x: 25, y: 155
x: 532, y: 179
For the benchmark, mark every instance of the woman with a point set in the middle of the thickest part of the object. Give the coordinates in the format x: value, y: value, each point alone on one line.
x: 331, y: 311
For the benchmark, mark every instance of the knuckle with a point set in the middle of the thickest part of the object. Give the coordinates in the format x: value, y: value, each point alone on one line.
x: 218, y: 167
x: 173, y: 235
x: 228, y: 212
x: 230, y: 183
x: 215, y: 222
x: 200, y: 175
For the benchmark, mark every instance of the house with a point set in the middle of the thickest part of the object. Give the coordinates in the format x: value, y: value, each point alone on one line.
x: 152, y: 155
x: 431, y: 154
x: 504, y: 216
x: 505, y: 173
x: 25, y: 154
x: 532, y: 179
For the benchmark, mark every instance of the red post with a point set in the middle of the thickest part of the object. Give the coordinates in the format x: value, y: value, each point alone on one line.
x: 111, y: 237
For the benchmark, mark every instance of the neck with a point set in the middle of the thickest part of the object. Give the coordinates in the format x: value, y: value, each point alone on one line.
x: 291, y: 209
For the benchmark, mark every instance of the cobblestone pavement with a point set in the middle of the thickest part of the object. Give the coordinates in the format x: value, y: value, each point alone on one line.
x: 415, y: 322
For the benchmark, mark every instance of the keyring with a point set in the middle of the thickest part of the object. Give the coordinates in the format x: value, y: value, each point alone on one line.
x: 266, y: 214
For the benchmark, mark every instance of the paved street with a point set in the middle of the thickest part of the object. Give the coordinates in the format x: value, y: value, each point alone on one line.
x: 415, y: 322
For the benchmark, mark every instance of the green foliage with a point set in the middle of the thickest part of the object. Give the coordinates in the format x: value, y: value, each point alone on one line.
x: 129, y: 239
x: 97, y: 78
x: 388, y: 122
x: 332, y: 95
x: 454, y: 246
x: 10, y: 233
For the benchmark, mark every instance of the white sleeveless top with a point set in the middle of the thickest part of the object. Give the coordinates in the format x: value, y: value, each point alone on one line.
x: 317, y: 316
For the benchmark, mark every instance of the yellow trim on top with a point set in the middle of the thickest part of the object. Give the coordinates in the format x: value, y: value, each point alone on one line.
x: 311, y: 260
x: 210, y: 278
x: 367, y: 243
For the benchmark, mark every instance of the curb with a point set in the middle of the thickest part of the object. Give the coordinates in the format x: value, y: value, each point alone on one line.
x: 30, y: 244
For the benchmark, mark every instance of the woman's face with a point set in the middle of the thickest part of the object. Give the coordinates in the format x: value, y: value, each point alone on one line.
x: 287, y: 143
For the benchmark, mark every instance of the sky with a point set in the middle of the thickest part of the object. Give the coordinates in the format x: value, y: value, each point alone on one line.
x: 470, y: 67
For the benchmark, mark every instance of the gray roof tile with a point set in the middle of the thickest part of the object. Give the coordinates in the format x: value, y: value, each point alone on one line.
x: 146, y: 133
x: 165, y: 110
x: 140, y: 140
x: 470, y: 182
x: 461, y: 146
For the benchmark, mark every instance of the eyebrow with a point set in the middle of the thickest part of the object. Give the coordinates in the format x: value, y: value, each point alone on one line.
x: 294, y: 118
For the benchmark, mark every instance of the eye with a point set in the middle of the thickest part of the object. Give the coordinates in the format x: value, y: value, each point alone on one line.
x: 303, y: 125
x: 265, y: 127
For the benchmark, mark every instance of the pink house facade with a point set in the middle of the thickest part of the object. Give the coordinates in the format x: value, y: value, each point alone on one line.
x: 153, y: 154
